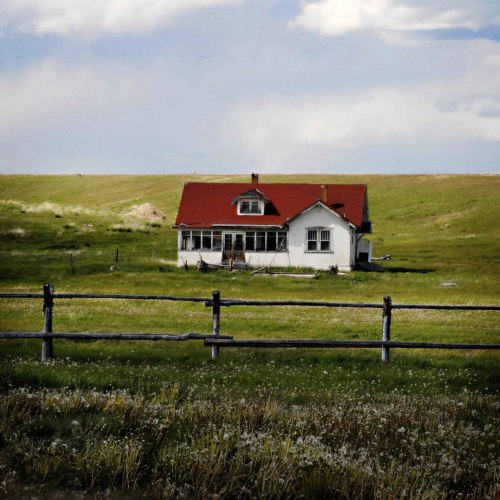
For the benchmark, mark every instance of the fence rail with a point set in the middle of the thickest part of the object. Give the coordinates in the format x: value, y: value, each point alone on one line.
x: 109, y: 336
x: 9, y: 295
x: 215, y: 340
x: 443, y: 307
x: 340, y: 344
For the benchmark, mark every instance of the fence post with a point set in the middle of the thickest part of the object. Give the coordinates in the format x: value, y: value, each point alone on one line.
x: 386, y: 328
x: 215, y: 321
x: 48, y: 303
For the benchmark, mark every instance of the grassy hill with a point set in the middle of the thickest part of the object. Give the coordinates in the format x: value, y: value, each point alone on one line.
x: 437, y: 229
x: 163, y: 420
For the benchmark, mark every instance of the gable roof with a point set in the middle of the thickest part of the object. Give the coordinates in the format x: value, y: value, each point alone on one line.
x: 320, y: 203
x: 205, y: 205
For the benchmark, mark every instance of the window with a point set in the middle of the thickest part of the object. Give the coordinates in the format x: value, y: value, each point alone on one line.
x: 282, y: 243
x: 260, y: 244
x: 324, y: 240
x: 271, y: 241
x: 318, y: 240
x: 266, y: 241
x: 250, y: 207
x: 250, y: 241
x: 185, y: 240
x: 228, y: 242
x: 312, y: 240
x: 206, y: 242
x: 201, y: 240
x: 217, y: 241
x: 195, y: 240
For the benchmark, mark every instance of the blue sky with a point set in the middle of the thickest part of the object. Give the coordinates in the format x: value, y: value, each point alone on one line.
x: 233, y: 86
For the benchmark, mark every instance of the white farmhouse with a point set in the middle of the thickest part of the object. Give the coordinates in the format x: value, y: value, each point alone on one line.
x: 318, y: 226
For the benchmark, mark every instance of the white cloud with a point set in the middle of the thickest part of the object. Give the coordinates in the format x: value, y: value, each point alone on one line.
x: 50, y: 95
x: 96, y: 17
x: 442, y: 113
x: 337, y: 17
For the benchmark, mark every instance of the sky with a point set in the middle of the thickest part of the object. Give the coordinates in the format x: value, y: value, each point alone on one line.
x: 237, y: 86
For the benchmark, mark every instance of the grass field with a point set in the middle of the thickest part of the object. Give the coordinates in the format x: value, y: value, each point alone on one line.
x: 164, y: 420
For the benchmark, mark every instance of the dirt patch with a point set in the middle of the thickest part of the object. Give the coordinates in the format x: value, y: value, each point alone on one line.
x: 146, y: 211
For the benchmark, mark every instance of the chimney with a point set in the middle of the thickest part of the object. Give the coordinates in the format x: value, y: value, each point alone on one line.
x: 255, y: 178
x: 324, y: 194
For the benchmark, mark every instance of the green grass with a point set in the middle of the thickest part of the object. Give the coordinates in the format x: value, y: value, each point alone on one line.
x: 164, y: 420
x: 438, y: 229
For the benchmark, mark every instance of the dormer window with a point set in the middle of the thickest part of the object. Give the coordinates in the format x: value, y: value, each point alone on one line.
x: 250, y: 207
x: 252, y: 202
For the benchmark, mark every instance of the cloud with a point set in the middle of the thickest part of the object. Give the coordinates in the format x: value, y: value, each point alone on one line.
x: 338, y: 17
x: 466, y: 109
x: 96, y: 17
x: 50, y: 95
x: 92, y: 117
x: 95, y: 116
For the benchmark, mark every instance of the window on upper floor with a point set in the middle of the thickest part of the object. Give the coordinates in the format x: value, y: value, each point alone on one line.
x: 250, y: 207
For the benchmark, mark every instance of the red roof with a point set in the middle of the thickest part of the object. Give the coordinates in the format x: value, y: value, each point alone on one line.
x: 205, y: 205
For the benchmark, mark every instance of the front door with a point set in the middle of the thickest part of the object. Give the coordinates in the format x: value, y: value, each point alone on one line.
x: 234, y: 246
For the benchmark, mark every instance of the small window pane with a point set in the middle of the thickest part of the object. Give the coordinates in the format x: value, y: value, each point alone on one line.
x: 186, y: 237
x: 261, y: 242
x: 217, y: 241
x: 325, y: 240
x: 195, y: 240
x: 207, y: 240
x: 271, y: 241
x: 255, y: 208
x: 245, y: 207
x: 282, y: 243
x: 312, y: 240
x: 238, y: 243
x: 250, y: 241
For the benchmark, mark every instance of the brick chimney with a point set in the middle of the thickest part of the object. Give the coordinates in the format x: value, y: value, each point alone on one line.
x: 255, y: 178
x: 324, y: 194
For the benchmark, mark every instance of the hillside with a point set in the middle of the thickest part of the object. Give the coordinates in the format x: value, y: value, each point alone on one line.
x: 438, y: 229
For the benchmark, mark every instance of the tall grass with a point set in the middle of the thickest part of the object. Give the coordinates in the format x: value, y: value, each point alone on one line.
x: 165, y: 446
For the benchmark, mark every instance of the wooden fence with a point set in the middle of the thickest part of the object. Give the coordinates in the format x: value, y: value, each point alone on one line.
x: 215, y: 340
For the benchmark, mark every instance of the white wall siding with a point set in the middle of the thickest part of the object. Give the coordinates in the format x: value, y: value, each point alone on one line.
x: 318, y: 216
x: 255, y: 259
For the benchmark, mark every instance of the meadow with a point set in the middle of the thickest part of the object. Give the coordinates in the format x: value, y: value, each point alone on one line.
x: 164, y: 420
